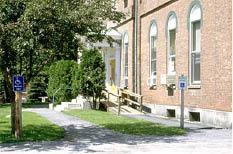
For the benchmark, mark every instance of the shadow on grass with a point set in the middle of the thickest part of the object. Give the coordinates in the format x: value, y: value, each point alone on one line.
x: 5, y: 105
x: 41, y: 105
x: 3, y: 122
x: 34, y: 133
x: 28, y: 105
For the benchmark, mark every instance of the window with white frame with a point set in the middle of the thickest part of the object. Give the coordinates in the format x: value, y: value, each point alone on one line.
x: 195, y: 45
x: 171, y: 36
x: 153, y: 57
x: 126, y: 46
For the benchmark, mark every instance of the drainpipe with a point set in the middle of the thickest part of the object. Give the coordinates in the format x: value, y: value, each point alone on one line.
x: 135, y: 43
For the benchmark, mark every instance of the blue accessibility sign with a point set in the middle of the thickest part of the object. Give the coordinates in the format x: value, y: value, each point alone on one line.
x: 182, y: 82
x: 18, y: 83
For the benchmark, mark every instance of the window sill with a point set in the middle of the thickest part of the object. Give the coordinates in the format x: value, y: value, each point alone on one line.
x: 194, y: 87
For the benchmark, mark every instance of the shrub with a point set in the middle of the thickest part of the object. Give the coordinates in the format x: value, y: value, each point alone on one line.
x: 60, y: 76
x: 37, y: 89
x: 38, y: 86
x: 89, y: 79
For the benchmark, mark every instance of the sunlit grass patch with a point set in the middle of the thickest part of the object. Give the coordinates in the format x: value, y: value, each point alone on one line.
x: 123, y: 124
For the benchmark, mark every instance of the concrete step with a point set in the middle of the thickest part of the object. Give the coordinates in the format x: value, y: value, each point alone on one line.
x: 72, y: 106
x: 67, y: 106
x: 58, y: 108
x: 74, y: 101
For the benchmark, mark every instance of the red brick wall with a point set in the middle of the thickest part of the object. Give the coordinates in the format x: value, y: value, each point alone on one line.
x: 216, y: 80
x: 128, y: 27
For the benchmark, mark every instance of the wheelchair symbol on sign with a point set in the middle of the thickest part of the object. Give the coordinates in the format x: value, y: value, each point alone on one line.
x: 18, y: 82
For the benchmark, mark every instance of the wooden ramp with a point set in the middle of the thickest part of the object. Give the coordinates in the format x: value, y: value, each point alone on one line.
x: 125, y: 110
x: 122, y: 102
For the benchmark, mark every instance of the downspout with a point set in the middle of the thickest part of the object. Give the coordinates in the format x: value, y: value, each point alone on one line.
x: 135, y: 43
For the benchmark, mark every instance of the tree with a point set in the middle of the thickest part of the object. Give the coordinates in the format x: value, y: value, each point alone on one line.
x: 60, y: 75
x: 38, y: 86
x: 2, y: 94
x: 35, y: 33
x: 89, y: 79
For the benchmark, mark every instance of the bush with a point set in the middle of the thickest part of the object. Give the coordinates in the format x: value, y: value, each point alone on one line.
x: 60, y: 76
x: 38, y: 87
x: 89, y: 79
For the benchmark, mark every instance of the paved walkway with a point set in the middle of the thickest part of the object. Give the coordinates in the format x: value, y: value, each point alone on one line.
x: 169, y: 121
x: 84, y: 137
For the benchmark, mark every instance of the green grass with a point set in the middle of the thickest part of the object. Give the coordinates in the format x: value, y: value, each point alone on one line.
x: 35, y: 127
x: 123, y: 124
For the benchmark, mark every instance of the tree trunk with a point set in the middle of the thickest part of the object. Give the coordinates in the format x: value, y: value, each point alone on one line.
x: 7, y: 94
x: 9, y: 89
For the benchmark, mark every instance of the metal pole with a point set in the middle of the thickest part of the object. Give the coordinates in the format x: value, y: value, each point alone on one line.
x: 53, y: 99
x: 182, y: 110
x: 57, y: 91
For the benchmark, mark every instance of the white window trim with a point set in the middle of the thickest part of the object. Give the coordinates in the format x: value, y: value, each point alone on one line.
x: 126, y: 41
x: 169, y: 56
x: 195, y: 15
x: 153, y: 33
x: 171, y: 26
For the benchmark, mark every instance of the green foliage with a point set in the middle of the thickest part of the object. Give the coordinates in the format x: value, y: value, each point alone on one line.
x: 60, y: 75
x: 35, y: 127
x: 36, y: 33
x: 123, y: 124
x: 38, y: 86
x: 37, y: 89
x: 89, y: 79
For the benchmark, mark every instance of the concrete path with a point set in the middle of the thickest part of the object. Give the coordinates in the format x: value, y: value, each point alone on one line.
x: 84, y: 137
x: 169, y: 121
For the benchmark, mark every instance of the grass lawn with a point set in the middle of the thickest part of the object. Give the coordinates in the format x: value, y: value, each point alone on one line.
x: 123, y: 124
x: 35, y: 127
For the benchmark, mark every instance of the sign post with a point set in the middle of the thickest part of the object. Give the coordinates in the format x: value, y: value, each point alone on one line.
x: 182, y: 86
x: 18, y: 88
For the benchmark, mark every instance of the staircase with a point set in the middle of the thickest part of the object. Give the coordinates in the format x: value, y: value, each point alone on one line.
x: 78, y: 103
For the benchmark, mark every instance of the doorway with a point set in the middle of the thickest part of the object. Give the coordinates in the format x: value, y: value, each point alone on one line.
x: 112, y: 72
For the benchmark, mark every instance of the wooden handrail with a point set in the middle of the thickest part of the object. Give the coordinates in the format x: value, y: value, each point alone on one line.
x: 118, y: 100
x: 121, y: 92
x: 112, y: 93
x: 130, y: 93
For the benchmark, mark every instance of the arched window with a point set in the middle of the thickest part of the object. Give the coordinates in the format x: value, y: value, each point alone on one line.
x: 171, y: 43
x: 195, y: 22
x: 153, y: 58
x: 125, y: 47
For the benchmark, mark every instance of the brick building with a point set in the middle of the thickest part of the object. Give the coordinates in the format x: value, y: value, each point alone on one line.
x: 162, y: 39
